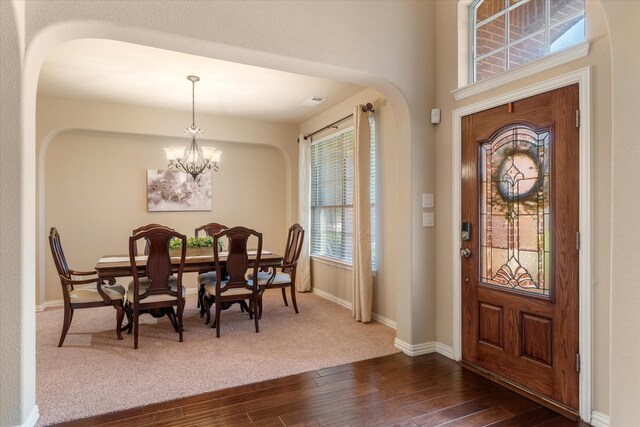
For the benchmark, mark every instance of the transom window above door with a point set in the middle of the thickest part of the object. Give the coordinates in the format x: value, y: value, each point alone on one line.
x: 508, y: 33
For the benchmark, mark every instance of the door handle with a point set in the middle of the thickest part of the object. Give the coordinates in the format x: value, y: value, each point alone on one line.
x: 466, y: 252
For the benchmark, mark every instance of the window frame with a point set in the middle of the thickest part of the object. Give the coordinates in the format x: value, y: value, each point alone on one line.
x: 473, y: 27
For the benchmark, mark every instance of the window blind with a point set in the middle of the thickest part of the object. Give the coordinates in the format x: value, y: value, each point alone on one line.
x: 332, y: 195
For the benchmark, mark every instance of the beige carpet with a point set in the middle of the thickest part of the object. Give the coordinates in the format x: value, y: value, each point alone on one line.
x: 94, y: 373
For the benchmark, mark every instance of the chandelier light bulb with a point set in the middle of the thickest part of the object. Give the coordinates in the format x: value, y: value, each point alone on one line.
x: 216, y: 157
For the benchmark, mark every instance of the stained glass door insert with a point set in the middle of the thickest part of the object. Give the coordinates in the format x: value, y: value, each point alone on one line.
x: 514, y: 210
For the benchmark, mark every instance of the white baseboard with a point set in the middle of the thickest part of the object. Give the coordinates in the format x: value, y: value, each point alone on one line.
x: 330, y: 297
x: 599, y: 419
x: 60, y: 303
x: 32, y: 419
x: 49, y: 304
x: 415, y: 349
x: 374, y: 316
x: 444, y: 350
x: 385, y: 321
x: 423, y: 348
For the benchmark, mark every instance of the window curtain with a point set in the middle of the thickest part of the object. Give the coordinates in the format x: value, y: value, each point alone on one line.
x: 362, y: 276
x: 303, y: 271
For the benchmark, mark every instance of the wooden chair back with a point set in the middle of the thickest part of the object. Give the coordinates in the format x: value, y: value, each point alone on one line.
x: 158, y: 268
x: 145, y: 228
x: 58, y: 254
x: 238, y: 258
x: 211, y: 229
x: 292, y: 250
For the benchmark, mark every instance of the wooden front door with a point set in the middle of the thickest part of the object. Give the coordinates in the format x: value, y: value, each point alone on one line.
x: 520, y: 263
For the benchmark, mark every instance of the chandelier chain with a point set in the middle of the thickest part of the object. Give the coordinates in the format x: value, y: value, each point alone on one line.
x: 193, y: 104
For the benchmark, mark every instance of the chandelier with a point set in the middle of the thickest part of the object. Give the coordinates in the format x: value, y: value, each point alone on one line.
x: 192, y: 159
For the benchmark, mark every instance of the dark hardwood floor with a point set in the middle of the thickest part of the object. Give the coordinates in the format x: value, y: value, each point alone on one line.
x: 394, y: 390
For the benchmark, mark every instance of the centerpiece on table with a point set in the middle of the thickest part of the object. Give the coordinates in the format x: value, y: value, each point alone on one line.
x: 195, y: 242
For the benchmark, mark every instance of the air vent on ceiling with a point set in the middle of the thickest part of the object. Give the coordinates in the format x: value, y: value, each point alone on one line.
x: 313, y: 101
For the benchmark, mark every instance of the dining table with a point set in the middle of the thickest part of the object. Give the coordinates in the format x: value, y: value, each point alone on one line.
x: 196, y: 260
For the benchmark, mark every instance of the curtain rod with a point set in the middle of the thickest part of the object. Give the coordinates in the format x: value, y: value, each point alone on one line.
x: 367, y: 107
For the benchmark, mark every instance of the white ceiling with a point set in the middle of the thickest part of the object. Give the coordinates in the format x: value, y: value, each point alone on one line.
x: 124, y: 73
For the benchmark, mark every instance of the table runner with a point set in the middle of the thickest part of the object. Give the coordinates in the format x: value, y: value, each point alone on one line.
x: 113, y: 259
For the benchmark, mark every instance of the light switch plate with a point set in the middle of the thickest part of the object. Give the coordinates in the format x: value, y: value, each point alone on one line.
x: 428, y: 219
x: 435, y: 116
x: 427, y: 200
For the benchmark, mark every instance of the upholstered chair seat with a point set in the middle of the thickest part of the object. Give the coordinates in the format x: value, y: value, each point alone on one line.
x: 82, y: 295
x: 263, y: 278
x: 144, y: 283
x: 210, y: 290
x: 207, y: 278
x: 155, y: 298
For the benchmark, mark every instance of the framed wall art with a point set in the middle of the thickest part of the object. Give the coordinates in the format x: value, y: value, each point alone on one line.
x: 171, y: 190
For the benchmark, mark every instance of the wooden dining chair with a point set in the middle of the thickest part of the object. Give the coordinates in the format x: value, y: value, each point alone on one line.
x: 143, y: 280
x: 156, y: 292
x: 207, y: 277
x: 145, y: 228
x: 236, y: 287
x: 210, y: 229
x: 286, y: 277
x: 77, y: 296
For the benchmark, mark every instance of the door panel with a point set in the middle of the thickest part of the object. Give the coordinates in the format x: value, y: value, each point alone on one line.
x: 520, y: 285
x: 491, y: 324
x: 536, y: 338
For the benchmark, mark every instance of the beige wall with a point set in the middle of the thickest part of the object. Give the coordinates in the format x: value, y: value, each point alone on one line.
x: 94, y: 186
x: 389, y: 46
x: 624, y: 30
x: 337, y: 280
x: 17, y: 327
x: 599, y: 61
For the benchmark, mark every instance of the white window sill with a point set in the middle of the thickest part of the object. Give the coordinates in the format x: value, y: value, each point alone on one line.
x: 524, y: 70
x: 344, y: 265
